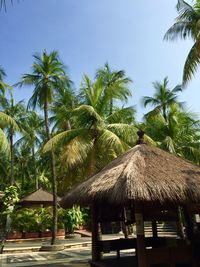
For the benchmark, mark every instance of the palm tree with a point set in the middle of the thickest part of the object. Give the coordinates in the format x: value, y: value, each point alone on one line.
x: 24, y: 164
x: 48, y: 74
x: 97, y: 136
x: 187, y: 25
x: 16, y: 111
x: 3, y: 86
x: 32, y: 125
x: 93, y: 142
x: 5, y: 121
x: 163, y: 97
x: 115, y: 85
x: 179, y: 134
x: 62, y: 107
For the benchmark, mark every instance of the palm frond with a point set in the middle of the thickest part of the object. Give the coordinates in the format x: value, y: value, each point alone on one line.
x: 63, y: 137
x: 4, y: 145
x: 110, y: 140
x: 6, y: 120
x: 192, y: 63
x: 86, y: 115
x: 76, y: 151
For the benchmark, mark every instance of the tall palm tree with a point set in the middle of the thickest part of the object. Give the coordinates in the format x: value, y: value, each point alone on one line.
x: 93, y: 142
x: 163, y: 97
x: 62, y: 107
x: 115, y: 85
x: 96, y: 136
x: 48, y: 74
x: 16, y: 111
x: 187, y: 25
x: 32, y: 125
x: 3, y: 86
x: 5, y: 121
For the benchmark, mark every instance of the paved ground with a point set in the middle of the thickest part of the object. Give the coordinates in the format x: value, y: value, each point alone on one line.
x: 77, y: 253
x: 75, y: 258
x: 69, y: 258
x: 33, y: 246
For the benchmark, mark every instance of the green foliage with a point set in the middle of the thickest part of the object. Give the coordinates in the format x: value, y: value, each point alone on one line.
x: 11, y: 196
x: 44, y: 219
x: 187, y: 25
x: 72, y: 218
x: 40, y: 219
x: 25, y: 220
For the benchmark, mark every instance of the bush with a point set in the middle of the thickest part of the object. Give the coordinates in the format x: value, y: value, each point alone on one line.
x: 24, y: 220
x: 33, y: 220
x: 44, y: 219
x: 72, y: 218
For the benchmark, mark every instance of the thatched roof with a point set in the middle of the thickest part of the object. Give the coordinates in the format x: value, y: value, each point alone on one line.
x: 39, y: 196
x: 143, y: 173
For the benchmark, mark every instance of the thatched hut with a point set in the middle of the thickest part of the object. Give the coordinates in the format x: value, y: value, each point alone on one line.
x: 39, y: 197
x: 149, y: 181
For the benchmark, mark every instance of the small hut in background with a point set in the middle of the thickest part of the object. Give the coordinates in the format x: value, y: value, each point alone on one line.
x: 152, y: 185
x: 38, y: 198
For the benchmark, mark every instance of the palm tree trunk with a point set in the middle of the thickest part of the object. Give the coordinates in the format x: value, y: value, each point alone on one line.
x: 164, y: 113
x: 111, y: 107
x: 53, y: 177
x: 22, y: 174
x: 34, y: 168
x: 67, y: 125
x: 11, y: 159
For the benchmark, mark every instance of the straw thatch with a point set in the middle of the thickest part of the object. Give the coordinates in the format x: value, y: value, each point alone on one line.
x: 143, y: 173
x: 39, y: 196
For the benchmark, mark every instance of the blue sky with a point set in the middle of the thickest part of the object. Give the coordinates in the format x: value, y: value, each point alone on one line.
x: 87, y: 33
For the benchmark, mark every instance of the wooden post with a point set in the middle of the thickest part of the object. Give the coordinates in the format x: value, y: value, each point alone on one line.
x: 154, y: 229
x: 189, y: 224
x: 180, y: 227
x: 141, y: 250
x: 96, y: 254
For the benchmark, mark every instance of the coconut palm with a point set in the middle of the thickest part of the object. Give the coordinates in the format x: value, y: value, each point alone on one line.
x: 163, y: 97
x: 62, y: 107
x: 3, y: 86
x: 24, y: 164
x: 32, y: 125
x: 48, y: 74
x: 94, y: 130
x: 93, y: 142
x: 187, y: 25
x: 5, y: 121
x: 115, y: 85
x: 179, y: 134
x: 16, y: 111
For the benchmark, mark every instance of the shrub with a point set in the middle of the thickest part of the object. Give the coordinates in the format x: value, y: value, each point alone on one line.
x: 24, y: 220
x: 72, y: 218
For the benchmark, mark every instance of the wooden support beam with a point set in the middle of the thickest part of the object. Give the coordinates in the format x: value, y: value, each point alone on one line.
x: 96, y: 254
x: 189, y: 224
x: 141, y: 251
x: 154, y: 229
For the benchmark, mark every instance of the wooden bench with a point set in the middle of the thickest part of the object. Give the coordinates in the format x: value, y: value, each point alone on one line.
x: 106, y: 246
